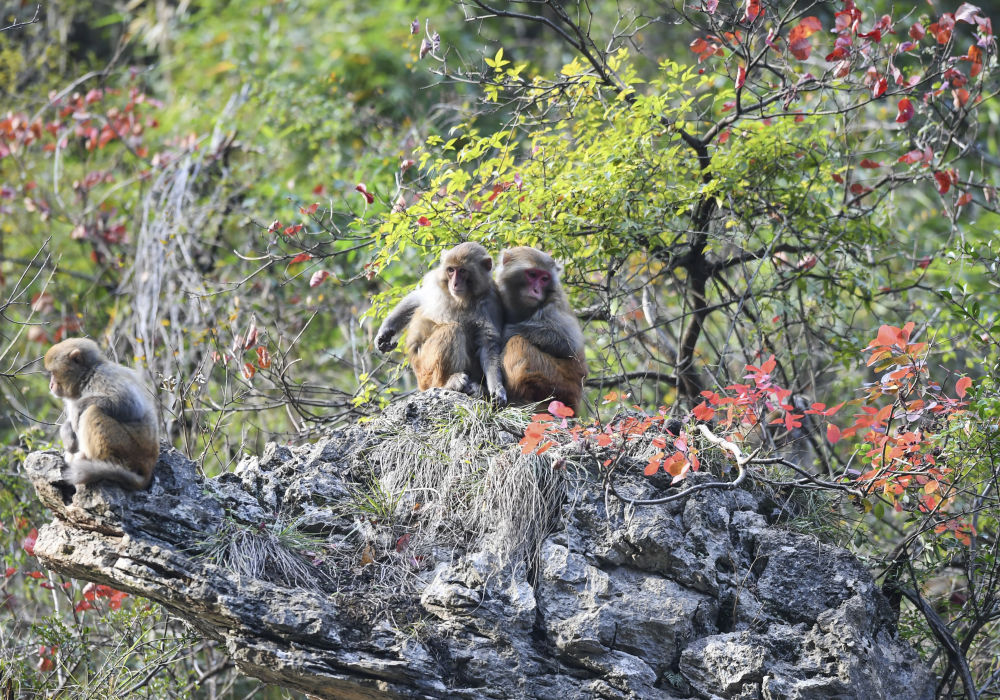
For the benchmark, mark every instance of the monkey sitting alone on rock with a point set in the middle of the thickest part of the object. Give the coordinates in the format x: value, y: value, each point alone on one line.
x: 110, y: 429
x: 454, y: 317
x: 543, y: 345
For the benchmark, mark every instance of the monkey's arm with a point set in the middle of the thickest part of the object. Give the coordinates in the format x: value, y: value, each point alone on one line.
x: 68, y: 436
x: 385, y: 339
x: 490, y: 347
x: 551, y: 331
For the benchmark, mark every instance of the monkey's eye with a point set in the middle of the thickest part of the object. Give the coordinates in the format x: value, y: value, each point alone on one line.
x: 451, y: 271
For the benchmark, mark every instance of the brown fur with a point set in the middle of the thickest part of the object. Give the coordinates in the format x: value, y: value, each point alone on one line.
x: 543, y: 354
x: 453, y: 325
x: 532, y: 375
x: 110, y: 430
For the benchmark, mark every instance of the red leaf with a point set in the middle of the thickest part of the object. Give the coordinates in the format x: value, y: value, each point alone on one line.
x: 879, y: 86
x: 292, y: 230
x: 36, y: 574
x: 741, y: 77
x: 914, y: 156
x: 753, y: 11
x: 28, y: 543
x: 369, y: 197
x: 703, y: 412
x: 832, y: 433
x: 248, y: 370
x: 975, y: 56
x: 653, y: 466
x: 806, y: 28
x: 943, y: 180
x: 964, y: 199
x: 800, y: 48
x: 318, y: 277
x: 83, y: 605
x: 942, y: 28
x: 798, y: 37
x: 905, y: 112
x: 11, y: 570
x: 402, y: 542
x: 319, y: 189
x: 558, y: 408
x: 311, y: 209
x: 301, y: 257
x: 869, y: 163
x: 917, y: 32
x: 962, y: 386
x: 424, y: 221
x: 858, y: 189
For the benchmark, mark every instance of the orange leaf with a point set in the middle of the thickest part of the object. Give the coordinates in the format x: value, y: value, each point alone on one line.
x: 832, y: 433
x: 703, y: 412
x: 263, y: 357
x: 962, y: 385
x: 545, y: 446
x: 558, y: 408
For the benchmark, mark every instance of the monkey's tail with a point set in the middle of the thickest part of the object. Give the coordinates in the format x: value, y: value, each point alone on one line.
x: 85, y: 471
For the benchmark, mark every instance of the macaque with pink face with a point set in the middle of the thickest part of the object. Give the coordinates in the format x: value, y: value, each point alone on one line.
x: 543, y: 354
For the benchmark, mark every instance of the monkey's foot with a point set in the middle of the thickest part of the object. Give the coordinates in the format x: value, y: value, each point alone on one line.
x: 458, y: 382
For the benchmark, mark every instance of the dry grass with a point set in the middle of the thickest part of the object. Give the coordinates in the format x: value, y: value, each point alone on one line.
x: 279, y: 553
x: 465, y: 483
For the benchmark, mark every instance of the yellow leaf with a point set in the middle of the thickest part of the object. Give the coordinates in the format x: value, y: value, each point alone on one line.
x: 221, y: 67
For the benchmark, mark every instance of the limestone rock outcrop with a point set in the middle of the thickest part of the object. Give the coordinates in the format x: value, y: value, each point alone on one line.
x: 699, y: 598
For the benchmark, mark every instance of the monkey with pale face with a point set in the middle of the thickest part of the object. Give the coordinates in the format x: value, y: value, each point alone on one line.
x: 453, y: 325
x: 110, y: 428
x: 543, y: 354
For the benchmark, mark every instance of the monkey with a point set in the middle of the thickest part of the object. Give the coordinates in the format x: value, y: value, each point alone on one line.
x: 110, y: 431
x: 453, y: 331
x: 543, y: 353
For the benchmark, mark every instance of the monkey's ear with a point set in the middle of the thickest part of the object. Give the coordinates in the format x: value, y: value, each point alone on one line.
x: 75, y: 354
x: 505, y: 256
x: 487, y: 264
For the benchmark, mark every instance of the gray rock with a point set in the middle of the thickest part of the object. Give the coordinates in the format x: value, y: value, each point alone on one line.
x: 358, y: 594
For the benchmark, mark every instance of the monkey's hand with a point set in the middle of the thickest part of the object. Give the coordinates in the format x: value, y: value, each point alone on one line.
x: 385, y: 339
x: 499, y: 395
